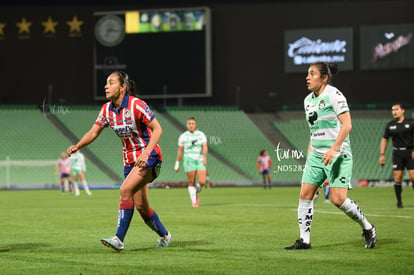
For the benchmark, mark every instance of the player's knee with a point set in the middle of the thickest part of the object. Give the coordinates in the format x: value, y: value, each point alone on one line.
x: 337, y: 201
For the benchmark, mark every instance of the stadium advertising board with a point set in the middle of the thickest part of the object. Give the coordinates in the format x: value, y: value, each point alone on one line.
x: 306, y: 46
x: 386, y: 47
x: 166, y: 52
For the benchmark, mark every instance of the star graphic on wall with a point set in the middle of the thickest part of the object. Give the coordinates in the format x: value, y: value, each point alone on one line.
x: 24, y: 26
x: 75, y: 24
x: 2, y: 25
x: 49, y: 25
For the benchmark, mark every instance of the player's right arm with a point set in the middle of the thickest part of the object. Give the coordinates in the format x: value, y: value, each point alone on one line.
x: 88, y: 138
x: 383, y: 147
x: 179, y: 156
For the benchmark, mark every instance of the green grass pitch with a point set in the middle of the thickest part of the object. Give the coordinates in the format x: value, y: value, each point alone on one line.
x: 238, y: 230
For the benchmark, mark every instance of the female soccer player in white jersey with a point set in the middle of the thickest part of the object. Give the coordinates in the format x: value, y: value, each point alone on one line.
x: 193, y: 145
x: 329, y: 154
x: 134, y: 122
x: 77, y: 160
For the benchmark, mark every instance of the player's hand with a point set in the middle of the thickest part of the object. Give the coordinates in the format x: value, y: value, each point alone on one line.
x: 72, y: 149
x: 177, y: 166
x: 141, y: 160
x: 382, y: 160
x: 328, y: 157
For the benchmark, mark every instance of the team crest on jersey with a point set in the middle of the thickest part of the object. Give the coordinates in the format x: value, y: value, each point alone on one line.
x: 127, y: 113
x: 322, y: 104
x: 407, y: 126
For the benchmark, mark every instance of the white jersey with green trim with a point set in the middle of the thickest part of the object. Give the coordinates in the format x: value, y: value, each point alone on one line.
x: 192, y: 143
x: 78, y: 161
x: 322, y: 116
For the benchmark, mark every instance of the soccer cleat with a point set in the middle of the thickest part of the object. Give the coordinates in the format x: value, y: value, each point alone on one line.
x: 299, y: 244
x: 370, y: 237
x: 195, y: 204
x: 164, y: 241
x: 400, y: 205
x: 114, y: 243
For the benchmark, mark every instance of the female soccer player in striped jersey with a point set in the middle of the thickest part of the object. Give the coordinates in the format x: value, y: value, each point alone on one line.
x: 63, y: 170
x: 135, y: 123
x: 329, y: 154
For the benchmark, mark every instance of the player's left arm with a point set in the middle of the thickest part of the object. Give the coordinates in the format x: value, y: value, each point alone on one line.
x: 205, y: 151
x: 345, y: 119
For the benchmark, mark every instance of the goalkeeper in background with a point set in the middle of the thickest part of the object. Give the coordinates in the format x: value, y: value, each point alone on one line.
x: 78, y: 172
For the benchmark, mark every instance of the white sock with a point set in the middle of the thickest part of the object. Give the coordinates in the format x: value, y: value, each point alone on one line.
x: 351, y: 209
x: 86, y: 187
x: 193, y: 193
x: 305, y: 216
x: 76, y: 188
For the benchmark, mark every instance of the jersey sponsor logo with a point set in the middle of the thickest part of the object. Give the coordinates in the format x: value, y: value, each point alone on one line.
x: 101, y: 118
x: 318, y: 134
x: 313, y: 116
x: 125, y: 132
x: 407, y: 126
x: 393, y: 127
x: 342, y: 105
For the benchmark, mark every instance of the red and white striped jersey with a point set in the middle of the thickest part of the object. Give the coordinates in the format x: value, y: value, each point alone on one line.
x: 130, y: 122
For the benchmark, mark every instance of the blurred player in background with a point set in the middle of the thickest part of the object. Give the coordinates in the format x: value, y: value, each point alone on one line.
x: 192, y: 144
x: 136, y: 125
x: 78, y: 172
x: 401, y: 131
x: 263, y: 166
x: 329, y: 154
x: 63, y: 170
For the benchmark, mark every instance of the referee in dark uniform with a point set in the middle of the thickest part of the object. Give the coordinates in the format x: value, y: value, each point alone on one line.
x: 401, y: 131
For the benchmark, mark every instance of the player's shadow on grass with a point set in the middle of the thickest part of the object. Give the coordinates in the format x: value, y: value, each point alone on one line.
x: 21, y: 246
x: 380, y: 242
x: 180, y: 244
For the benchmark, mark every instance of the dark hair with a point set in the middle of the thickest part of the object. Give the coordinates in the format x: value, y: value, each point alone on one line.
x: 326, y: 69
x: 399, y: 104
x: 192, y: 118
x: 262, y: 152
x: 124, y: 79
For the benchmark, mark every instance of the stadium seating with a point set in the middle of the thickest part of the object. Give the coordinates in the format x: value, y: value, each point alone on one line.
x: 232, y: 135
x: 234, y: 143
x: 28, y: 135
x: 108, y: 147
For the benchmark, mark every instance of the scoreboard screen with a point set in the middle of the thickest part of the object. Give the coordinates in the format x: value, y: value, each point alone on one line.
x: 166, y: 52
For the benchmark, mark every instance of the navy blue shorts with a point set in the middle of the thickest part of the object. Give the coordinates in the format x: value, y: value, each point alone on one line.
x: 265, y: 172
x: 155, y: 163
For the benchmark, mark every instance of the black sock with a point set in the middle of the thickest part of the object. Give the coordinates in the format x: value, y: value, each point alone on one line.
x: 398, y: 191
